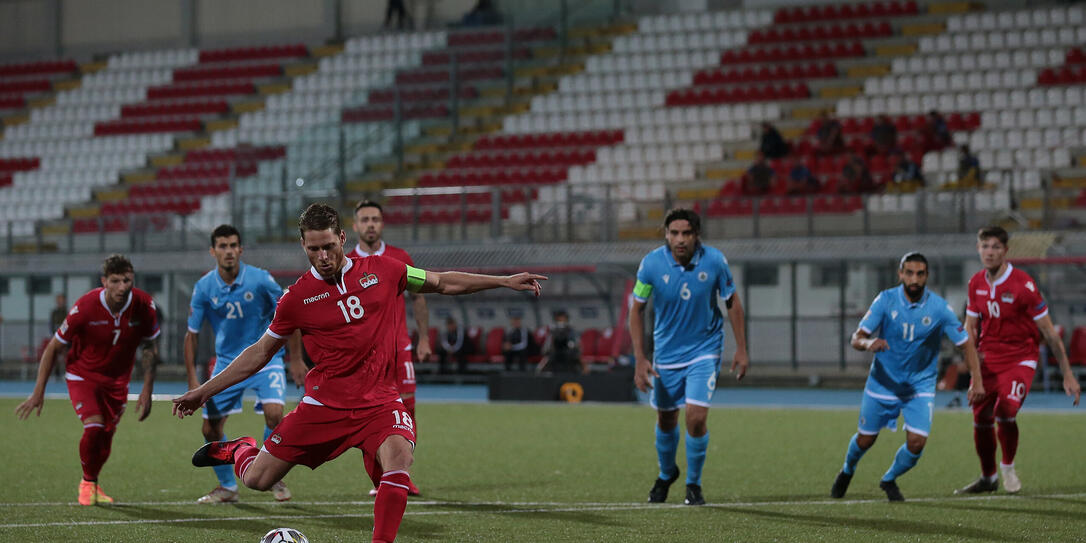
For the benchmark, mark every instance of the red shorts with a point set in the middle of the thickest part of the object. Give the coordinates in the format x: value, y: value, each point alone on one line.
x: 90, y: 399
x: 1006, y: 392
x: 405, y: 372
x: 314, y: 434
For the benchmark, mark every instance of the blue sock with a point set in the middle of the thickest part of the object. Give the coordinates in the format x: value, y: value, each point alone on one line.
x: 666, y: 445
x: 225, y: 473
x: 904, y: 460
x: 695, y: 457
x: 268, y: 432
x: 852, y: 457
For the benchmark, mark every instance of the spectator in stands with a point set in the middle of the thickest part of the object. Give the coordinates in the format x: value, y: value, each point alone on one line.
x: 969, y: 174
x: 517, y: 345
x: 884, y: 135
x: 454, y: 344
x: 855, y: 176
x: 403, y: 18
x: 772, y: 144
x: 906, y: 172
x: 759, y: 177
x: 801, y: 180
x: 56, y: 318
x: 935, y: 135
x: 830, y: 135
x: 560, y: 354
x: 484, y: 13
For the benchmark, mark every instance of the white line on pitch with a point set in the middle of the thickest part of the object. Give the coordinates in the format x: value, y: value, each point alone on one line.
x: 517, y: 508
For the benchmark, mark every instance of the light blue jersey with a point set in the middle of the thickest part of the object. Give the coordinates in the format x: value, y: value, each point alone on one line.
x: 689, y: 326
x: 913, y: 332
x: 239, y: 313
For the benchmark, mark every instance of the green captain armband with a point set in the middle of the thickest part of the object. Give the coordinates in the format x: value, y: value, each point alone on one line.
x: 416, y: 278
x: 642, y: 291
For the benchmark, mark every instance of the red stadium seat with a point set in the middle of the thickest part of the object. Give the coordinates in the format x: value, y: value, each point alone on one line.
x: 1077, y: 353
x: 494, y: 339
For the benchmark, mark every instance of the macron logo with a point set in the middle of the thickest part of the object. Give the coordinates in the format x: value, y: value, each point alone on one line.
x: 312, y: 299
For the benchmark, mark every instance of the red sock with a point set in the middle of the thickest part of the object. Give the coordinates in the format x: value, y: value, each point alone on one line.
x: 373, y: 469
x: 390, y: 504
x: 244, y: 456
x: 94, y: 448
x: 984, y: 437
x: 1008, y: 439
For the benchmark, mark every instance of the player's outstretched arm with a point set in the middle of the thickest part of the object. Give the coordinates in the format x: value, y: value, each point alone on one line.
x: 149, y: 360
x: 247, y: 363
x: 1055, y: 347
x: 45, y: 367
x: 643, y: 370
x: 737, y: 317
x: 453, y: 283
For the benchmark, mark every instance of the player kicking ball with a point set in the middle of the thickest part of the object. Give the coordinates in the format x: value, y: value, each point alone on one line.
x: 912, y: 322
x: 349, y: 311
x: 238, y: 300
x: 684, y: 279
x: 1005, y: 313
x: 104, y: 329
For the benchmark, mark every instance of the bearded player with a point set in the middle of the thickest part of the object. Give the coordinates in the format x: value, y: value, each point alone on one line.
x: 369, y: 224
x: 102, y: 332
x: 347, y: 311
x: 1005, y: 312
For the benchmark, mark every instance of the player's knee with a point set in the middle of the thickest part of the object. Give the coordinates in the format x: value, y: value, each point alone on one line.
x: 915, y: 443
x: 1006, y: 411
x: 865, y: 441
x: 212, y: 429
x: 395, y: 454
x: 667, y: 420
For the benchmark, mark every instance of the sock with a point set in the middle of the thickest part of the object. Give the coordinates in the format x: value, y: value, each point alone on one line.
x: 390, y: 504
x: 373, y: 469
x: 904, y: 460
x: 853, y: 456
x: 666, y: 445
x: 267, y: 433
x: 94, y: 449
x: 225, y: 473
x: 244, y: 456
x: 695, y: 457
x: 984, y: 438
x: 1008, y: 439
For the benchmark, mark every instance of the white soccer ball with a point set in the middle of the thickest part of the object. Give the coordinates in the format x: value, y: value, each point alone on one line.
x: 284, y: 535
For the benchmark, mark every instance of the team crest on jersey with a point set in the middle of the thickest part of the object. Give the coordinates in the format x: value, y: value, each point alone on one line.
x: 1007, y: 298
x: 368, y: 280
x: 248, y: 296
x: 893, y: 315
x: 666, y: 278
x: 1029, y: 285
x: 276, y: 438
x: 926, y: 321
x: 702, y: 276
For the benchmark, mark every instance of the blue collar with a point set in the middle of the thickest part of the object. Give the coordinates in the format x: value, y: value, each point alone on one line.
x: 694, y: 260
x: 237, y: 280
x: 909, y: 303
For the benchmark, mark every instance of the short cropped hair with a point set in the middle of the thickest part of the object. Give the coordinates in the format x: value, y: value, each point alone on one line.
x: 368, y: 203
x: 224, y: 231
x: 682, y: 214
x: 912, y: 256
x: 319, y: 216
x: 993, y: 232
x: 116, y: 263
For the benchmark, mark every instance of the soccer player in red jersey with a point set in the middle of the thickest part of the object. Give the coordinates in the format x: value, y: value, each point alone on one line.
x: 369, y: 224
x: 348, y: 311
x: 102, y: 332
x: 1005, y: 311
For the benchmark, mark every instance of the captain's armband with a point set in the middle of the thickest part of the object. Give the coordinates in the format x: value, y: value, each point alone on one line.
x: 416, y: 278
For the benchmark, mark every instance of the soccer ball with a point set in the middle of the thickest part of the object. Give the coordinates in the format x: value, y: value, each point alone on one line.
x: 284, y: 535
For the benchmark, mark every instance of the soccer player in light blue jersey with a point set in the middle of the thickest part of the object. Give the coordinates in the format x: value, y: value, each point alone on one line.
x: 239, y: 301
x: 912, y: 322
x: 684, y: 279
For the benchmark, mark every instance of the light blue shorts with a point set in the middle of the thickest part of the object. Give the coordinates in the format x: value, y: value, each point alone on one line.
x: 693, y: 384
x: 881, y: 411
x: 270, y: 385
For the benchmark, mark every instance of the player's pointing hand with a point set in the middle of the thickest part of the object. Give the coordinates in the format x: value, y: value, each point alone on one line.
x: 1070, y: 386
x: 188, y: 403
x: 527, y: 281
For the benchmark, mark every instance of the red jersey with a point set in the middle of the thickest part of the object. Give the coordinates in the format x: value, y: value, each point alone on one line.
x: 1007, y: 309
x: 402, y: 256
x: 103, y: 345
x: 344, y: 328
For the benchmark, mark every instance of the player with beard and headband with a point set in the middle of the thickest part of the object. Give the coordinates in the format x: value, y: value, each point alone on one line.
x: 369, y: 224
x: 684, y: 278
x: 104, y: 329
x: 912, y: 321
x: 1005, y: 313
x: 348, y: 310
